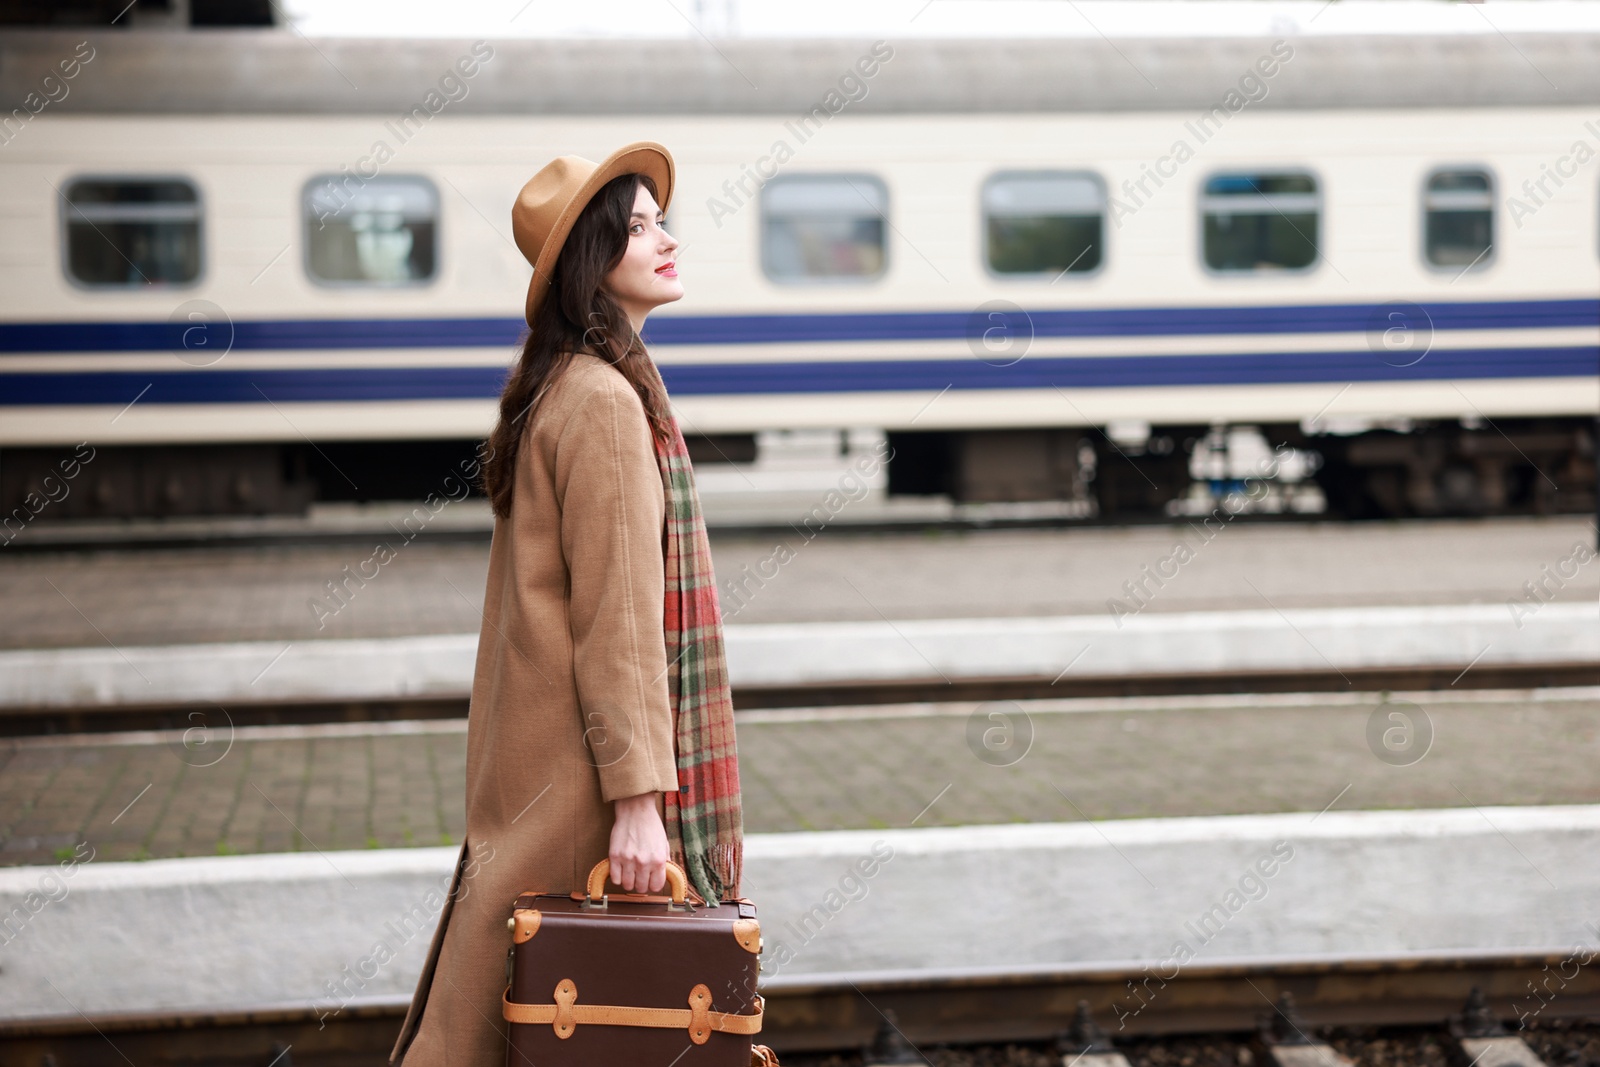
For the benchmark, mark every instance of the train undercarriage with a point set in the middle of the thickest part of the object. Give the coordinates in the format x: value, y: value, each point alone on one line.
x: 1445, y: 468
x: 1132, y: 473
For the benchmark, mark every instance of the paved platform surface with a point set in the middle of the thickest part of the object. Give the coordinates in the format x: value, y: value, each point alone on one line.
x: 156, y: 597
x: 219, y: 791
x: 324, y: 930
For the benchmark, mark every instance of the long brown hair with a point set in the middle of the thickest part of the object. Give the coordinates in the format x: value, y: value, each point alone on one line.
x: 576, y: 314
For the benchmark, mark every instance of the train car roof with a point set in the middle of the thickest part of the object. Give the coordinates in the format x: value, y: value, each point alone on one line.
x: 281, y: 72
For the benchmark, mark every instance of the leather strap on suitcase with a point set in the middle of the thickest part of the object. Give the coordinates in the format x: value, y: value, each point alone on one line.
x: 565, y: 1014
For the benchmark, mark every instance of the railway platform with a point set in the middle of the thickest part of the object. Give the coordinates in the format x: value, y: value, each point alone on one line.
x: 800, y: 573
x: 1447, y: 821
x: 216, y: 790
x: 122, y: 640
x: 340, y: 931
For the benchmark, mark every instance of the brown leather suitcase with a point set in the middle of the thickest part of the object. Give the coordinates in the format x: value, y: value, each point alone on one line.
x: 633, y: 978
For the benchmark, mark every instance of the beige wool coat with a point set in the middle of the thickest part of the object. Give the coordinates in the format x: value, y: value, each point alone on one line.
x: 569, y: 696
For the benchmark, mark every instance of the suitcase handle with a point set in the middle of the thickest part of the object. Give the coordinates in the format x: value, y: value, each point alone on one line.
x: 677, y: 883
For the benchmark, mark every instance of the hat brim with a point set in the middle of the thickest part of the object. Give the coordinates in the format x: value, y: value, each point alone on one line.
x: 640, y: 157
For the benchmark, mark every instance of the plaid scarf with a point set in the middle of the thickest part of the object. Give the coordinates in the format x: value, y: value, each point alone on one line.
x: 704, y: 822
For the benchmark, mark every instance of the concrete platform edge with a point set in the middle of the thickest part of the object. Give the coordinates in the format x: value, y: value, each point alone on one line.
x: 219, y: 932
x: 798, y: 654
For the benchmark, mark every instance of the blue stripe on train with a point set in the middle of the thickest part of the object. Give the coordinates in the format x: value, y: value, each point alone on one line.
x: 766, y: 329
x: 220, y: 385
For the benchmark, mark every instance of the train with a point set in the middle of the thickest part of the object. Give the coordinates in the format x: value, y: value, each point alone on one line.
x: 245, y: 272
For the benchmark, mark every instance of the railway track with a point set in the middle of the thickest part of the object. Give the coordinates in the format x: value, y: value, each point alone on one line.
x: 272, y: 535
x: 1467, y: 1006
x: 97, y: 718
x: 141, y: 536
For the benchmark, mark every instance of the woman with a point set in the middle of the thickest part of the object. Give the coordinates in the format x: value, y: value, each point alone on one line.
x: 600, y: 724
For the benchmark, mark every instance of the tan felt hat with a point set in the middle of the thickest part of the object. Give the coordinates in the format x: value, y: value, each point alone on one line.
x: 554, y: 198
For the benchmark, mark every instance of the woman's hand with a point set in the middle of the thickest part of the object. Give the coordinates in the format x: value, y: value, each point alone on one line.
x: 639, y: 850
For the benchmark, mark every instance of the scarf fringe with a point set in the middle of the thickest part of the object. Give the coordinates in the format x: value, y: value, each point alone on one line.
x: 718, y: 869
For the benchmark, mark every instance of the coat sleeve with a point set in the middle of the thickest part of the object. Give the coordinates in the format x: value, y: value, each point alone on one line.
x: 608, y: 485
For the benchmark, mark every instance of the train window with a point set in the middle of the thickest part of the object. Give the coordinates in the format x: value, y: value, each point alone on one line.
x: 1044, y: 223
x: 823, y: 226
x: 373, y: 231
x: 131, y: 231
x: 1458, y: 206
x: 1261, y: 221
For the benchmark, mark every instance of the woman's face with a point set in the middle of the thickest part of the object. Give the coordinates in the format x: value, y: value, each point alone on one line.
x: 647, y: 276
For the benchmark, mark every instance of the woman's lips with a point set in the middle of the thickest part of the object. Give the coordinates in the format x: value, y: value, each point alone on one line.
x: 668, y: 270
